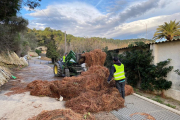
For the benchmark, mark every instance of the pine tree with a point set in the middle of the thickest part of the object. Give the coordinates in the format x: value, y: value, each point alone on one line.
x: 52, y: 50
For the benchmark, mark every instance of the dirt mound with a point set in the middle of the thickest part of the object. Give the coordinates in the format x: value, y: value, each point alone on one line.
x: 88, y: 92
x: 58, y: 114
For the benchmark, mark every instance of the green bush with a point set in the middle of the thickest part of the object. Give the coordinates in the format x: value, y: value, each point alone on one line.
x: 109, y: 58
x: 177, y: 71
x: 140, y: 71
x: 38, y: 51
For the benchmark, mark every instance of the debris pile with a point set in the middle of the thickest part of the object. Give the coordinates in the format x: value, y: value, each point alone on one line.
x: 88, y: 92
x: 95, y: 101
x: 71, y: 87
x: 39, y: 87
x: 128, y: 90
x: 95, y: 57
x: 65, y: 114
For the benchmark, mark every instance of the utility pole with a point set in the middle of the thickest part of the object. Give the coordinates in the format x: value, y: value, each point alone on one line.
x: 146, y: 31
x: 65, y: 43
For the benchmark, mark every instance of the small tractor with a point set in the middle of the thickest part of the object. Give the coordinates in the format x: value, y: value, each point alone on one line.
x: 73, y: 65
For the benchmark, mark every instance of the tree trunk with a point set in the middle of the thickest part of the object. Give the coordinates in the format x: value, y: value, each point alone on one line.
x: 169, y: 37
x: 162, y: 94
x: 139, y: 82
x: 52, y: 60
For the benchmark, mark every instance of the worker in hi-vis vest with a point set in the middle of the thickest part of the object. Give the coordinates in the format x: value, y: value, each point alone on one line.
x: 64, y: 57
x: 117, y: 71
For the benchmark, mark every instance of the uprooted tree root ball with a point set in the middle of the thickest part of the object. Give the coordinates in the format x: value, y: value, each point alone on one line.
x: 88, y: 92
x: 65, y: 114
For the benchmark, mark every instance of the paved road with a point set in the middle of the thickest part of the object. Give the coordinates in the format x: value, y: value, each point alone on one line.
x: 140, y: 109
x: 23, y: 106
x: 35, y: 60
x: 37, y: 70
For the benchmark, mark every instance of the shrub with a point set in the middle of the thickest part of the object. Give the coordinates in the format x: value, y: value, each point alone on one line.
x: 38, y: 51
x: 140, y: 71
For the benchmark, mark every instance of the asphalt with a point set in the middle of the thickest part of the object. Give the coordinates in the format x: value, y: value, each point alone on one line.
x: 24, y: 106
x: 37, y: 70
x: 140, y: 109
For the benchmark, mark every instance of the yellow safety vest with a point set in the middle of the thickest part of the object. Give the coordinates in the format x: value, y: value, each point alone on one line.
x: 119, y: 74
x: 64, y: 58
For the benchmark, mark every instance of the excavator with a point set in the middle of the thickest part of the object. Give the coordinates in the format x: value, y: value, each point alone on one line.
x: 73, y: 65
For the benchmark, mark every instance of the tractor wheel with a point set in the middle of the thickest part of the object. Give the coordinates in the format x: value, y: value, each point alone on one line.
x: 57, y: 70
x: 67, y: 74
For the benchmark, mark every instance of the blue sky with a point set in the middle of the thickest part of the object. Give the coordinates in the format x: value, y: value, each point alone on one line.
x: 118, y: 19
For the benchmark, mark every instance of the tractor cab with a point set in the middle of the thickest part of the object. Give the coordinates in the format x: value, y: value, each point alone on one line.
x: 72, y: 66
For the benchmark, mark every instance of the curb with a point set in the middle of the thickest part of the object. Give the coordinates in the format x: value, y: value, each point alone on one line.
x: 161, y: 105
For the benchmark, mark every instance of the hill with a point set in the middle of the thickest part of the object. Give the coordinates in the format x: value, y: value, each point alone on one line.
x: 79, y: 44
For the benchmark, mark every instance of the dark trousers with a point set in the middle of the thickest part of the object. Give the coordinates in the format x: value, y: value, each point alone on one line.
x: 120, y: 86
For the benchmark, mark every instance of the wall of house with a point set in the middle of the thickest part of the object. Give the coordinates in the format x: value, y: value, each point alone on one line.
x: 163, y: 51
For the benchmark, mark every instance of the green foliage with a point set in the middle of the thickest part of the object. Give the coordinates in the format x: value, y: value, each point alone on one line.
x: 177, y: 71
x: 172, y: 106
x: 32, y: 3
x: 86, y: 116
x: 140, y: 72
x: 10, y: 34
x: 109, y: 58
x: 168, y: 30
x: 9, y: 8
x: 31, y: 39
x: 13, y: 34
x: 38, y: 51
x: 157, y: 99
x: 79, y: 44
x: 52, y: 51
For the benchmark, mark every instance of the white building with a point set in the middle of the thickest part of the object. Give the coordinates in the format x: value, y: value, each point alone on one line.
x: 163, y: 51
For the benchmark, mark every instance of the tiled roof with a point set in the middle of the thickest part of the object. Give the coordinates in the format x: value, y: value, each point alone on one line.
x: 176, y: 38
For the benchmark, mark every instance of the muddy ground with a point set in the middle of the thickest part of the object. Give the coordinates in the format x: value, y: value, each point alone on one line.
x: 23, y: 106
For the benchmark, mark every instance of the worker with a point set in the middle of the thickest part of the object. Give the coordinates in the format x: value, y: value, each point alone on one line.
x: 64, y: 57
x: 117, y: 70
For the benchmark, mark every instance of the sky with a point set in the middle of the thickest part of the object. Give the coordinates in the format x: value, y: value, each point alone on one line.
x: 118, y: 19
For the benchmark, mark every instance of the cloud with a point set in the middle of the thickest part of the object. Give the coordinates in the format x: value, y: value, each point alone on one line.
x: 76, y: 10
x: 139, y: 27
x: 119, y: 5
x: 81, y: 19
x: 138, y: 9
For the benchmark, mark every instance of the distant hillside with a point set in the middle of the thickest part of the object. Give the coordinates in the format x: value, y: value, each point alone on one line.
x: 79, y: 44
